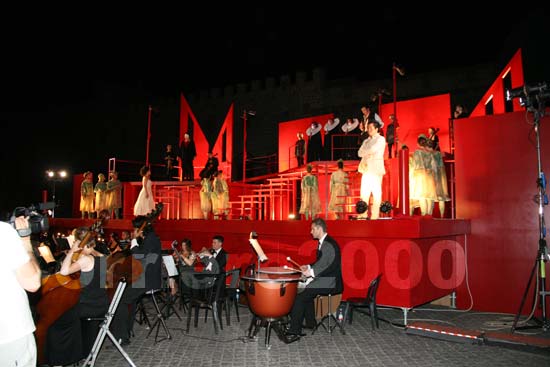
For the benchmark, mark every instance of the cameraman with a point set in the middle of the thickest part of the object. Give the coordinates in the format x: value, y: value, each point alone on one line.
x: 19, y: 272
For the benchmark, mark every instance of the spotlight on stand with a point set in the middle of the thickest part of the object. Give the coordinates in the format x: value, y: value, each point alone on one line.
x: 530, y: 96
x: 55, y: 176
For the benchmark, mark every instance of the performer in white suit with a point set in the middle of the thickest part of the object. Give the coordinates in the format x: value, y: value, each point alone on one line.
x: 372, y: 168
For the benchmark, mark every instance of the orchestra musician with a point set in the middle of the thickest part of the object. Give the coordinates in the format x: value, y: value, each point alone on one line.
x: 217, y: 252
x: 145, y: 247
x: 184, y: 258
x: 214, y: 261
x: 70, y: 338
x: 325, y: 276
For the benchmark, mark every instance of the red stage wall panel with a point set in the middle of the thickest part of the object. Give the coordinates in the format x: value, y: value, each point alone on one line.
x: 421, y: 259
x: 496, y: 181
x: 201, y: 143
x: 496, y: 91
x: 415, y: 116
x: 225, y: 159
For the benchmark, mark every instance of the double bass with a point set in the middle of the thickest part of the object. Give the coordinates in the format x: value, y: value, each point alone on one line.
x: 122, y: 265
x: 60, y: 293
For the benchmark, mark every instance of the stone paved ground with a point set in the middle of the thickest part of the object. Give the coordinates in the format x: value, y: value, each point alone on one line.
x: 389, y: 345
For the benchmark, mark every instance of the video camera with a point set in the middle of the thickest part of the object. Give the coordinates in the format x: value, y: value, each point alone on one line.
x: 530, y: 96
x: 38, y: 222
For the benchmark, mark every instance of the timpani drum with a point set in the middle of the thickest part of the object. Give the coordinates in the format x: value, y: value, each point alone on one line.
x: 271, y: 291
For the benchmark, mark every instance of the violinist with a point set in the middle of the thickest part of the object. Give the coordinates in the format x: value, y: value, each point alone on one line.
x: 186, y: 258
x: 70, y: 338
x: 145, y: 247
x: 114, y: 244
x: 125, y: 239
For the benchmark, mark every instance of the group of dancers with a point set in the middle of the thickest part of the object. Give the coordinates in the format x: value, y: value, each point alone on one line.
x: 104, y: 195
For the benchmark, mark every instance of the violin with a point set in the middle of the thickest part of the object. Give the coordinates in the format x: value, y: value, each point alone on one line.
x: 96, y: 228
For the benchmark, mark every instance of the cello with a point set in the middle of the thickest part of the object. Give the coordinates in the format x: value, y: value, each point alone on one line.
x: 60, y: 293
x: 122, y: 265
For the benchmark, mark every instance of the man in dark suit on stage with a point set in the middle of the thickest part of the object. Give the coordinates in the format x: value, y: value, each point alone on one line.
x: 324, y: 276
x: 188, y: 153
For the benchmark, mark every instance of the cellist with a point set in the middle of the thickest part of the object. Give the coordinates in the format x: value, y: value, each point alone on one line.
x: 70, y: 338
x: 145, y: 247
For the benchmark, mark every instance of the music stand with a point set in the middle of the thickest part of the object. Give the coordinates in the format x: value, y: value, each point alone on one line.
x: 172, y: 271
x: 104, y: 330
x: 46, y: 254
x: 62, y: 244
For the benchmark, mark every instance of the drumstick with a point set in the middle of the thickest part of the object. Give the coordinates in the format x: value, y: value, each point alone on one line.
x: 293, y: 262
x: 289, y: 268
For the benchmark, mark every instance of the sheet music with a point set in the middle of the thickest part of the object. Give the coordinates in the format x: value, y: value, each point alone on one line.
x: 46, y: 254
x: 170, y: 265
x: 258, y: 249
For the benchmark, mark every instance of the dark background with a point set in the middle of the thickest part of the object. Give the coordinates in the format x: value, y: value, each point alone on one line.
x: 76, y: 87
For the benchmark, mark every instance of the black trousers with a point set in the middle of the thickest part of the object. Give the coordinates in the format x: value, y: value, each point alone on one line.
x: 303, y: 309
x: 122, y: 324
x: 187, y: 170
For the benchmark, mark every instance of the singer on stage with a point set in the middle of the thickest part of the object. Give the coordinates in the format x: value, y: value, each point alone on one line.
x: 432, y: 135
x: 326, y: 275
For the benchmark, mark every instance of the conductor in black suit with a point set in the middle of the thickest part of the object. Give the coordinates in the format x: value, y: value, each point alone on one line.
x: 326, y: 273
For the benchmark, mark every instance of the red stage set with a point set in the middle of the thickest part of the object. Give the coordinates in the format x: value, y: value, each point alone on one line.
x: 486, y: 257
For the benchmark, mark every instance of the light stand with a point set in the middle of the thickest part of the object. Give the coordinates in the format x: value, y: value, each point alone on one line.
x: 542, y: 253
x: 244, y: 117
x: 54, y: 177
x: 396, y: 69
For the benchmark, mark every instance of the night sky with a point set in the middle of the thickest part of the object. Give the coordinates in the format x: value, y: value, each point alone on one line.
x: 76, y: 88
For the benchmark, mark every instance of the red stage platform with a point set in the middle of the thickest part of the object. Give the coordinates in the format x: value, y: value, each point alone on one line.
x: 422, y: 259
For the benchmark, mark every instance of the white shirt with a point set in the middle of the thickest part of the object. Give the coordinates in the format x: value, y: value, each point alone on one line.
x: 15, y: 315
x: 318, y: 248
x: 372, y: 155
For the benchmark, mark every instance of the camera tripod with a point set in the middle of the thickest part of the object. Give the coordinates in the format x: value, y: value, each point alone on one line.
x: 539, y: 268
